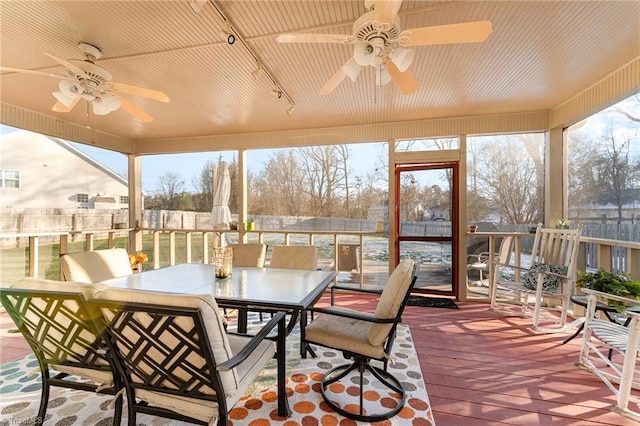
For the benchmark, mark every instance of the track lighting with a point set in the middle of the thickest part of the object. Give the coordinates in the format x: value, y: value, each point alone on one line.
x: 197, y: 5
x: 277, y: 92
x: 291, y: 109
x: 257, y: 72
x: 231, y: 38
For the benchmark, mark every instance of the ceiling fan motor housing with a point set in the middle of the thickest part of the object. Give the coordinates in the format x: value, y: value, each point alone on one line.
x: 378, y: 36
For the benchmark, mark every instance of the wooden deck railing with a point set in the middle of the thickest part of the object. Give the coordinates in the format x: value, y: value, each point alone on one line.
x: 594, y: 252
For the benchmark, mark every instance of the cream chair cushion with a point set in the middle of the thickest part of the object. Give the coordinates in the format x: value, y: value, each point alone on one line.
x: 344, y: 333
x: 391, y: 300
x: 294, y: 257
x: 95, y: 266
x: 234, y: 381
x: 249, y: 255
x: 89, y: 291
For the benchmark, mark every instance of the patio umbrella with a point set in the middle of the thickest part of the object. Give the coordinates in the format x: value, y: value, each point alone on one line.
x: 220, y: 214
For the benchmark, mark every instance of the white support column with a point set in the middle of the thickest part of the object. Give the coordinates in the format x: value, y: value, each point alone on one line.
x: 242, y: 194
x: 393, y: 236
x: 135, y: 202
x: 555, y: 185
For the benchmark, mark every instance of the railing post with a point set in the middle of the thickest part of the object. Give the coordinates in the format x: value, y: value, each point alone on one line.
x: 205, y: 248
x: 88, y: 242
x: 111, y: 240
x: 172, y: 248
x: 156, y: 249
x: 187, y: 246
x: 33, y: 256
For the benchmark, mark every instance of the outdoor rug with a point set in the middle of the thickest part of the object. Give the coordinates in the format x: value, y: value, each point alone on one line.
x: 432, y: 302
x: 20, y: 394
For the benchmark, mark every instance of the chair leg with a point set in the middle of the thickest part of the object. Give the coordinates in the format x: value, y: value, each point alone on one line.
x: 362, y: 366
x: 44, y: 397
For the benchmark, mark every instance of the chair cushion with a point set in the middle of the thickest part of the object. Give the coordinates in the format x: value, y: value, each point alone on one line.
x: 208, y: 410
x: 220, y: 345
x: 95, y: 266
x: 248, y: 255
x: 294, y: 257
x: 549, y: 282
x: 343, y: 333
x: 391, y: 300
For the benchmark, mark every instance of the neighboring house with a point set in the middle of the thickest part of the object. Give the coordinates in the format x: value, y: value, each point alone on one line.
x: 38, y: 171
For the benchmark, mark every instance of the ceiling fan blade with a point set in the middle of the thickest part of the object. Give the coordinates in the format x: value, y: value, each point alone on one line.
x: 333, y: 82
x: 466, y: 32
x: 68, y: 65
x: 386, y: 10
x: 405, y: 81
x: 21, y: 71
x: 60, y: 107
x: 139, y: 91
x: 316, y: 38
x: 133, y: 110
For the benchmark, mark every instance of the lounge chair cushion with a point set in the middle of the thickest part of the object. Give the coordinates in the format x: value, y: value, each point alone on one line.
x: 344, y: 333
x: 223, y: 346
x: 391, y: 300
x: 95, y: 266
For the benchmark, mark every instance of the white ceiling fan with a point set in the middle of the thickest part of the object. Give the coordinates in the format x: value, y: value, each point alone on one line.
x: 82, y: 79
x: 379, y: 42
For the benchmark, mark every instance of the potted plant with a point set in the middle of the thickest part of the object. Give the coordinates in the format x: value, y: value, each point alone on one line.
x: 251, y: 224
x: 616, y: 283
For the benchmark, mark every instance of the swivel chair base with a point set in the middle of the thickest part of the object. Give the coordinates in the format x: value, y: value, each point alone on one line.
x: 364, y: 374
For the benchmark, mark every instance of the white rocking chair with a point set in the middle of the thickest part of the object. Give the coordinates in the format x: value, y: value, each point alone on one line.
x: 545, y: 285
x: 602, y: 336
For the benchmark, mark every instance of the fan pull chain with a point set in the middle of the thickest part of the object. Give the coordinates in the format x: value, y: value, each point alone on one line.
x: 88, y: 116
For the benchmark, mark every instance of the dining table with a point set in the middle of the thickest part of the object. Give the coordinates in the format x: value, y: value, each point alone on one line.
x: 246, y: 289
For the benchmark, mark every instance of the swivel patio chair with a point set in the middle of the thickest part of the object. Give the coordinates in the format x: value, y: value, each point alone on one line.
x: 543, y: 287
x: 65, y: 334
x: 364, y: 337
x: 176, y: 359
x: 95, y: 266
x: 603, y: 336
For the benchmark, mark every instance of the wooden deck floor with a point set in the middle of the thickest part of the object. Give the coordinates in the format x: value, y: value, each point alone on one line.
x: 480, y: 368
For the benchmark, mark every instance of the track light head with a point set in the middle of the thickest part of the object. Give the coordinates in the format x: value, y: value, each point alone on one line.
x: 231, y: 38
x: 257, y: 72
x: 277, y: 92
x: 291, y: 109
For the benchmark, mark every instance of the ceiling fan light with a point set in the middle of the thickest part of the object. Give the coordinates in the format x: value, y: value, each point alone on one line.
x: 70, y: 89
x: 352, y: 69
x: 111, y: 101
x: 364, y: 53
x: 88, y: 97
x: 100, y: 107
x: 64, y: 100
x: 403, y: 58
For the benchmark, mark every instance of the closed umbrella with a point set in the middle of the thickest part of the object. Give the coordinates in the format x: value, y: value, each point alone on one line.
x: 220, y: 214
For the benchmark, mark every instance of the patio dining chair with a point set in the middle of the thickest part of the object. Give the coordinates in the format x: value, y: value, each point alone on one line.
x: 601, y: 336
x: 65, y: 334
x: 363, y: 337
x: 294, y: 257
x: 176, y: 359
x: 249, y: 255
x: 95, y: 266
x: 543, y: 288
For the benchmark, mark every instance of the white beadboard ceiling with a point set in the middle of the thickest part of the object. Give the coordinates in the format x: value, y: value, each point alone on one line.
x: 540, y: 54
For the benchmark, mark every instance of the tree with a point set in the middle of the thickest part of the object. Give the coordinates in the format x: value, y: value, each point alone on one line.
x: 510, y: 179
x: 169, y: 191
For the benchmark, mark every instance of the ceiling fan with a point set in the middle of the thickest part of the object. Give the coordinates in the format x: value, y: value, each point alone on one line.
x: 379, y: 42
x: 82, y: 79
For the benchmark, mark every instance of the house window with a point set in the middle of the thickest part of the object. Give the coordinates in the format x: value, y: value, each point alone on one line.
x: 82, y: 198
x: 124, y: 199
x: 9, y: 179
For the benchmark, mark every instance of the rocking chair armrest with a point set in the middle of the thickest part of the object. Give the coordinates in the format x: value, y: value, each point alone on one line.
x: 244, y: 353
x: 363, y: 316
